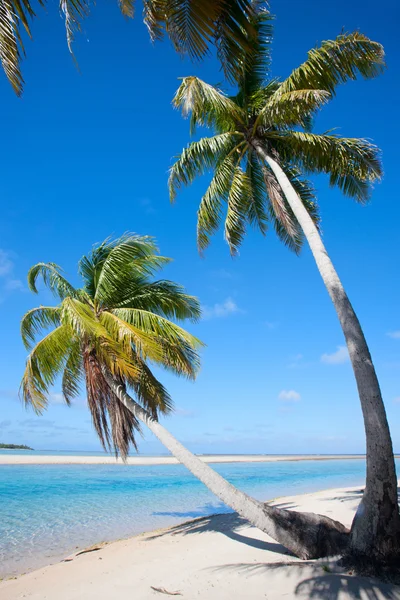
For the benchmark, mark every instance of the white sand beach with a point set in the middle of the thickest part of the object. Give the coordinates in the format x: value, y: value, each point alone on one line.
x: 214, y: 558
x: 32, y: 459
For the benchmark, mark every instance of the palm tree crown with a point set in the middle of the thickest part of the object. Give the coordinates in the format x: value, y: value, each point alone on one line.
x: 117, y: 323
x: 191, y: 25
x: 276, y: 115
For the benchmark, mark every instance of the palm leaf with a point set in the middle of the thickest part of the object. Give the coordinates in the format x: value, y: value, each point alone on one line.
x: 346, y: 160
x: 208, y: 105
x: 256, y: 206
x: 164, y: 298
x: 198, y: 158
x: 337, y: 61
x: 43, y: 365
x: 178, y: 346
x: 73, y: 373
x: 52, y: 278
x: 255, y: 64
x: 238, y: 197
x: 37, y: 319
x: 209, y: 214
x: 129, y: 257
x: 291, y: 109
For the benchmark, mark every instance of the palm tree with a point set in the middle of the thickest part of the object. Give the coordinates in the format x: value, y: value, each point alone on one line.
x: 191, y: 25
x: 104, y: 334
x: 261, y: 149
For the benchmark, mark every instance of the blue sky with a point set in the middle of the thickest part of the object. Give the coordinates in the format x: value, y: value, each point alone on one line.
x: 85, y: 155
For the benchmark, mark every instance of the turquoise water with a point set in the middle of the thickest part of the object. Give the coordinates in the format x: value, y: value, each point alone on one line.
x: 48, y: 511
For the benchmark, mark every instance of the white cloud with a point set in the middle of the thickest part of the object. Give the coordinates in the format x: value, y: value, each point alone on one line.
x: 183, y: 412
x: 14, y: 285
x: 336, y: 358
x: 56, y: 398
x: 9, y: 283
x: 394, y: 334
x: 289, y: 396
x: 6, y: 264
x: 229, y: 307
x: 222, y: 274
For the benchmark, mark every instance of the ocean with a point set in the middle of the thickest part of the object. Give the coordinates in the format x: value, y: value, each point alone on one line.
x: 49, y: 511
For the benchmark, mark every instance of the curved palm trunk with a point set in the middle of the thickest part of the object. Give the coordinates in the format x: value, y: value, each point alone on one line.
x: 375, y: 533
x: 307, y: 535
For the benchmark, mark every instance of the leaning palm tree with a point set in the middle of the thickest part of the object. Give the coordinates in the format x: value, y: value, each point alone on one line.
x: 105, y: 334
x: 260, y: 152
x: 191, y: 25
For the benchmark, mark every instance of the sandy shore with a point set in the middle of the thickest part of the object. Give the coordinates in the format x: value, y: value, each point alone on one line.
x: 31, y: 459
x: 215, y: 558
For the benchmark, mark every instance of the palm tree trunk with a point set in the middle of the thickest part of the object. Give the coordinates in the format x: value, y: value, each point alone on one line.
x: 307, y: 535
x: 375, y: 533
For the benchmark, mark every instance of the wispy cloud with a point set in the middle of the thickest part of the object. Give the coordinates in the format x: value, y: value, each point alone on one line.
x: 271, y: 324
x: 6, y: 264
x: 336, y: 358
x: 148, y: 206
x: 9, y: 283
x: 289, y: 396
x: 222, y: 274
x: 229, y: 307
x: 394, y: 334
x: 183, y: 412
x: 4, y: 424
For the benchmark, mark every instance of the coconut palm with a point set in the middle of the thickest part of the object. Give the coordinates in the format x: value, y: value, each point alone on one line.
x: 105, y: 334
x: 261, y: 150
x: 191, y: 25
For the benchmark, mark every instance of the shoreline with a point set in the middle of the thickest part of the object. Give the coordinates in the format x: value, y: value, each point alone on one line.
x: 207, y: 557
x: 17, y: 459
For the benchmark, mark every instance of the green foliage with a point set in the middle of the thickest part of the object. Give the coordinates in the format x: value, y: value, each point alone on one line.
x: 119, y: 322
x: 277, y: 117
x: 192, y: 26
x: 15, y: 447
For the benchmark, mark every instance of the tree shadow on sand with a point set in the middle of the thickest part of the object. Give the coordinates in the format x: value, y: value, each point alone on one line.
x: 319, y: 583
x: 226, y: 524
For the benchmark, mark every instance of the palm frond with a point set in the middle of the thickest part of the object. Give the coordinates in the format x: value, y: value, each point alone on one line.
x: 207, y: 105
x: 198, y: 158
x: 43, y: 365
x: 74, y: 11
x: 352, y: 163
x: 114, y: 424
x: 255, y: 63
x: 129, y: 257
x: 37, y: 319
x: 305, y: 191
x: 127, y: 8
x: 193, y: 25
x: 73, y: 373
x: 209, y: 214
x: 131, y: 337
x: 256, y: 206
x: 238, y: 197
x: 291, y: 109
x: 164, y: 298
x: 150, y: 392
x: 178, y: 346
x: 285, y: 223
x: 335, y: 62
x: 52, y: 278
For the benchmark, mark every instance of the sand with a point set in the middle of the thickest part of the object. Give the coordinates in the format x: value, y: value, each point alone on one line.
x: 214, y: 558
x: 31, y: 459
